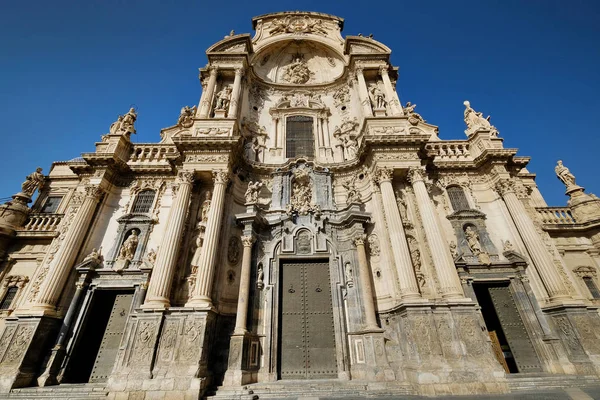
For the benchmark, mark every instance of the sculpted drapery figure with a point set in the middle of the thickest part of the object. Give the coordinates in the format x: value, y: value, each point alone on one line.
x: 124, y: 125
x: 377, y: 97
x: 205, y: 206
x: 223, y: 98
x: 129, y: 246
x: 475, y: 121
x: 32, y: 182
x: 186, y: 116
x: 251, y: 194
x: 297, y: 72
x: 409, y: 111
x: 564, y: 174
x: 473, y: 240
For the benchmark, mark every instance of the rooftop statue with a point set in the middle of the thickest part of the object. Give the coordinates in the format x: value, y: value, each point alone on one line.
x: 476, y: 122
x: 186, y: 116
x: 124, y: 124
x: 33, y: 181
x: 564, y: 174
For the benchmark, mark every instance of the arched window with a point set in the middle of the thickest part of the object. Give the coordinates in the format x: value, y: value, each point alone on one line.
x: 143, y: 201
x: 458, y: 198
x: 591, y: 285
x: 299, y: 137
x: 9, y: 296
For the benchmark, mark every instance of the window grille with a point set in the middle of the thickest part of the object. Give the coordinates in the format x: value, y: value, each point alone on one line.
x: 591, y: 285
x: 9, y: 296
x: 299, y: 138
x: 51, y: 204
x: 143, y: 201
x: 458, y: 198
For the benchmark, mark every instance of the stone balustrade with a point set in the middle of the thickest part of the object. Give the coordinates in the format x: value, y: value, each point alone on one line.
x: 42, y: 222
x: 449, y: 150
x: 556, y: 215
x: 152, y: 157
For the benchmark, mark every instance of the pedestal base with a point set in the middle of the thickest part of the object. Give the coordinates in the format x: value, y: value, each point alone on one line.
x: 220, y: 113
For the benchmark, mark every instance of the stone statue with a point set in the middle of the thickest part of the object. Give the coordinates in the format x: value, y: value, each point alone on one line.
x: 198, y: 250
x: 374, y: 247
x: 401, y: 206
x: 508, y: 246
x: 473, y: 240
x: 409, y: 111
x: 348, y: 274
x: 260, y: 276
x: 564, y: 174
x: 350, y: 146
x: 352, y: 194
x: 252, y: 192
x: 186, y: 116
x: 377, y: 97
x: 453, y: 249
x: 114, y: 127
x: 129, y: 246
x: 297, y: 72
x: 223, y: 98
x: 32, y: 182
x: 205, y: 207
x: 476, y: 122
x: 151, y: 257
x: 95, y: 255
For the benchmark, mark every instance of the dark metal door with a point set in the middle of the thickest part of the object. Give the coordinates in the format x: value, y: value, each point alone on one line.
x: 307, y: 340
x: 112, y: 338
x: 514, y: 330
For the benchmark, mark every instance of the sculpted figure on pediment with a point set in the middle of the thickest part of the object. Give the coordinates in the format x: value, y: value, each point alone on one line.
x: 297, y: 72
x: 413, y: 117
x: 297, y: 24
x: 476, y: 122
x: 186, y: 116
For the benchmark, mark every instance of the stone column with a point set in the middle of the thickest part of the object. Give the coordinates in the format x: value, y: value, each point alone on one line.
x: 244, y: 292
x: 204, y: 276
x: 235, y: 93
x: 364, y: 273
x: 363, y: 93
x: 390, y: 93
x: 207, y: 96
x: 440, y: 252
x: 61, y: 265
x: 159, y: 287
x: 409, y: 288
x: 533, y: 242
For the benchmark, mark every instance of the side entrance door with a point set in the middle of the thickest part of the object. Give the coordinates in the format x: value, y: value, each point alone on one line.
x: 306, y: 330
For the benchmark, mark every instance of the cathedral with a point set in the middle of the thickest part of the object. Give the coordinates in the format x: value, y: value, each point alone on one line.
x: 298, y: 228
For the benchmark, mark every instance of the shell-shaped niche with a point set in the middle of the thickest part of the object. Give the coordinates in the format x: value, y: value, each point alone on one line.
x: 298, y: 63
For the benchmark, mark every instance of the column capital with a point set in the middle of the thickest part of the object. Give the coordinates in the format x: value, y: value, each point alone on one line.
x: 359, y: 69
x: 384, y: 174
x: 239, y: 71
x: 504, y: 186
x: 248, y: 240
x: 383, y: 69
x: 185, y: 177
x: 220, y: 177
x: 213, y: 69
x: 359, y: 240
x: 93, y: 191
x: 416, y: 174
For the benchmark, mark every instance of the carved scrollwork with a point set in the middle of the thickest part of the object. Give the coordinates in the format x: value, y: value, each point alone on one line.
x: 416, y: 174
x: 359, y: 240
x: 185, y: 177
x: 93, y: 191
x: 247, y: 241
x: 220, y: 177
x: 384, y: 174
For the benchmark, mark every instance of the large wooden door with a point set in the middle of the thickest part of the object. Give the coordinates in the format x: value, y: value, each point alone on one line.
x: 514, y: 330
x: 111, y: 338
x: 306, y: 335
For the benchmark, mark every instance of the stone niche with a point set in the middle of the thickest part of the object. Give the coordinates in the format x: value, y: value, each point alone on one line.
x: 143, y: 225
x: 473, y: 241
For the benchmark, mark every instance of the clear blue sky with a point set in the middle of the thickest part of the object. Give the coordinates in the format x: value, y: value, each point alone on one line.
x: 68, y: 68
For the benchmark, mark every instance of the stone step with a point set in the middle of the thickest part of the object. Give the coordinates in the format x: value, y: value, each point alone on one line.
x: 525, y: 382
x: 65, y: 391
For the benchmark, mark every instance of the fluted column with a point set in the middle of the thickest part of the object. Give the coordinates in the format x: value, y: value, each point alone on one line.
x: 206, y: 266
x: 390, y: 93
x: 159, y: 287
x: 363, y: 93
x: 61, y: 265
x: 533, y: 242
x: 440, y: 253
x: 365, y: 282
x: 244, y: 292
x: 235, y: 93
x: 205, y: 102
x: 406, y: 275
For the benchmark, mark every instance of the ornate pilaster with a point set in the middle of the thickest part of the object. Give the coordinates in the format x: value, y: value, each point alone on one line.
x: 390, y: 93
x: 206, y: 266
x: 409, y: 288
x: 363, y: 92
x: 440, y: 253
x: 244, y: 291
x: 533, y: 242
x: 207, y: 95
x: 61, y: 264
x: 365, y: 282
x: 235, y: 93
x: 160, y: 284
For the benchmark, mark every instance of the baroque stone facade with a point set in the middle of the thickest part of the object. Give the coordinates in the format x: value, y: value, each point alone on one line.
x: 298, y: 223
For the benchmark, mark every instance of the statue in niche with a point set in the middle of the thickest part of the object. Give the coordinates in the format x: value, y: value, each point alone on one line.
x: 251, y: 194
x: 197, y: 248
x: 350, y: 146
x: 129, y: 246
x: 255, y: 137
x: 401, y: 206
x: 259, y: 146
x: 205, y: 206
x: 303, y: 242
x: 301, y: 200
x: 348, y: 275
x: 33, y: 182
x: 260, y: 276
x: 564, y: 174
x: 347, y: 137
x: 223, y: 98
x: 476, y: 122
x: 297, y: 72
x: 352, y: 194
x: 186, y: 116
x: 124, y: 125
x: 473, y: 240
x: 377, y: 97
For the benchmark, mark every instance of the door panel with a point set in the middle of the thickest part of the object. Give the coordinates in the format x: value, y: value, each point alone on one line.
x: 112, y: 338
x: 307, y: 332
x: 512, y: 325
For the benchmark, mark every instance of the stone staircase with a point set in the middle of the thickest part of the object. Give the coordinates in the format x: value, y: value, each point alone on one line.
x: 537, y: 381
x: 311, y: 390
x: 63, y: 392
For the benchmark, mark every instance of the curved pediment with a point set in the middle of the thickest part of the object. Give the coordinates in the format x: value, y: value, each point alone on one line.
x: 298, y: 63
x: 365, y: 45
x: 234, y: 44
